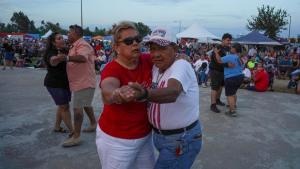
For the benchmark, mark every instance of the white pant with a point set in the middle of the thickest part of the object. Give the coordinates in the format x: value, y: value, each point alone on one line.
x: 117, y: 153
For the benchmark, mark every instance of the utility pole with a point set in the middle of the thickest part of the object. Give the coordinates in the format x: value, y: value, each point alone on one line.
x: 179, y: 22
x: 290, y: 26
x: 179, y: 26
x: 81, y: 15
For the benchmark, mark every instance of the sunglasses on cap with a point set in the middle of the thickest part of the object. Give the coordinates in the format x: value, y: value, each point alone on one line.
x: 129, y: 41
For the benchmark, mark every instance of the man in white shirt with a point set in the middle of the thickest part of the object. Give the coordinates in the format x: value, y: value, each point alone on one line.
x: 252, y: 51
x: 174, y: 105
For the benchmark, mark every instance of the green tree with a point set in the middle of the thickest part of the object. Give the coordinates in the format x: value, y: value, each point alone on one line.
x: 2, y: 27
x: 87, y: 31
x: 55, y: 27
x: 110, y: 31
x: 21, y: 22
x: 269, y: 20
x: 98, y: 31
x: 143, y: 29
x: 32, y: 28
x: 10, y: 28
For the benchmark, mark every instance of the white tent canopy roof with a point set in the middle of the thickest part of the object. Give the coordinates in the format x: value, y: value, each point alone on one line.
x: 47, y: 34
x: 65, y: 37
x: 198, y: 32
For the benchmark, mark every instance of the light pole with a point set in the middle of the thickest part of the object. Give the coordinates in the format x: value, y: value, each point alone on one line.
x: 290, y: 26
x: 179, y: 29
x: 81, y: 15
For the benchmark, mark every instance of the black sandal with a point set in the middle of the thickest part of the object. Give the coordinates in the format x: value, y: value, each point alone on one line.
x: 71, y: 134
x: 60, y: 130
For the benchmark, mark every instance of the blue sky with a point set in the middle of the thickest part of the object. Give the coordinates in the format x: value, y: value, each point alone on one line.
x: 218, y: 16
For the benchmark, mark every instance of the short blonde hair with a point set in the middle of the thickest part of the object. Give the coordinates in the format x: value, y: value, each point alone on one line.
x: 120, y: 27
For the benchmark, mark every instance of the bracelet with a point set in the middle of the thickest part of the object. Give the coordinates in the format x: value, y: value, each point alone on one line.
x: 144, y: 96
x: 67, y: 58
x: 113, y: 100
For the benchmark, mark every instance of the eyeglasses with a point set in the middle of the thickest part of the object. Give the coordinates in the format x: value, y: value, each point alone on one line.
x: 129, y: 41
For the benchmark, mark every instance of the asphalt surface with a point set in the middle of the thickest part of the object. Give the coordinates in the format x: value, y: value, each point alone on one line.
x: 265, y: 135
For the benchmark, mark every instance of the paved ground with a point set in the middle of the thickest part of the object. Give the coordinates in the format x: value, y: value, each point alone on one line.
x: 265, y: 135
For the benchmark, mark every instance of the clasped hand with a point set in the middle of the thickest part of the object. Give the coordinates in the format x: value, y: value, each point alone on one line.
x: 55, y: 60
x: 131, y: 92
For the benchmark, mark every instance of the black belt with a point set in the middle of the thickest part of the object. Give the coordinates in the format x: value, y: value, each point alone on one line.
x: 175, y: 131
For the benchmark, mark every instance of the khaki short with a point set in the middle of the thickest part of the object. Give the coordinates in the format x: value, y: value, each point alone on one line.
x: 83, y: 98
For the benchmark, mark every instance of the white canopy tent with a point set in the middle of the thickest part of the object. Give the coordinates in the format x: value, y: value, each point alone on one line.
x: 197, y: 32
x: 47, y: 34
x: 65, y: 37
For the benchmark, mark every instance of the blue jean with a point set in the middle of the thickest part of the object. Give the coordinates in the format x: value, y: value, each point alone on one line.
x: 295, y: 72
x: 9, y: 56
x: 202, y: 77
x: 189, y: 142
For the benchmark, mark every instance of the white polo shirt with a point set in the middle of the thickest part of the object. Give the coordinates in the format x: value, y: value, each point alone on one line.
x: 185, y: 110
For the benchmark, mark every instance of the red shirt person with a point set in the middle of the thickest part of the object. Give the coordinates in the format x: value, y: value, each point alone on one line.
x: 123, y: 136
x: 261, y: 79
x: 133, y: 123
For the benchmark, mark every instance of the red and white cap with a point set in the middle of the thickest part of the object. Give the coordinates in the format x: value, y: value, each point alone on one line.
x: 161, y: 37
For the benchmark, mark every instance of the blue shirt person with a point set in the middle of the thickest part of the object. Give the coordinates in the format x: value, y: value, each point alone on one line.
x: 236, y: 70
x: 233, y: 76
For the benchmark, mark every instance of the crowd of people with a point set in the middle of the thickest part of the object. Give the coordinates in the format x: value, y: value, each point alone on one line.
x: 278, y: 63
x: 20, y: 53
x: 30, y: 52
x: 151, y: 98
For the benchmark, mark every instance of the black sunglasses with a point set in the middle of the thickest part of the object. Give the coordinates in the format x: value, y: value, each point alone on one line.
x: 129, y: 41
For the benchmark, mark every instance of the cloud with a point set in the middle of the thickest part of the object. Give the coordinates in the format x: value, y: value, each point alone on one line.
x: 160, y: 2
x: 238, y: 17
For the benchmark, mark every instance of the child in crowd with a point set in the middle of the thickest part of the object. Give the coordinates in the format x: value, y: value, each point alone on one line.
x: 247, y: 76
x: 260, y: 79
x: 269, y: 66
x: 201, y: 68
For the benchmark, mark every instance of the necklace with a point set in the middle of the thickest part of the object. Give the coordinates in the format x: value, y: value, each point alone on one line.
x: 159, y: 76
x: 154, y: 85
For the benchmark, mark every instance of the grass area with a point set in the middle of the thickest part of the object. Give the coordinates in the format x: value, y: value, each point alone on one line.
x: 281, y: 86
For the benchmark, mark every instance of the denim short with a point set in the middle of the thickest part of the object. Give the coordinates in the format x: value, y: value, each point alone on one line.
x: 60, y: 96
x: 9, y: 56
x: 190, y: 143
